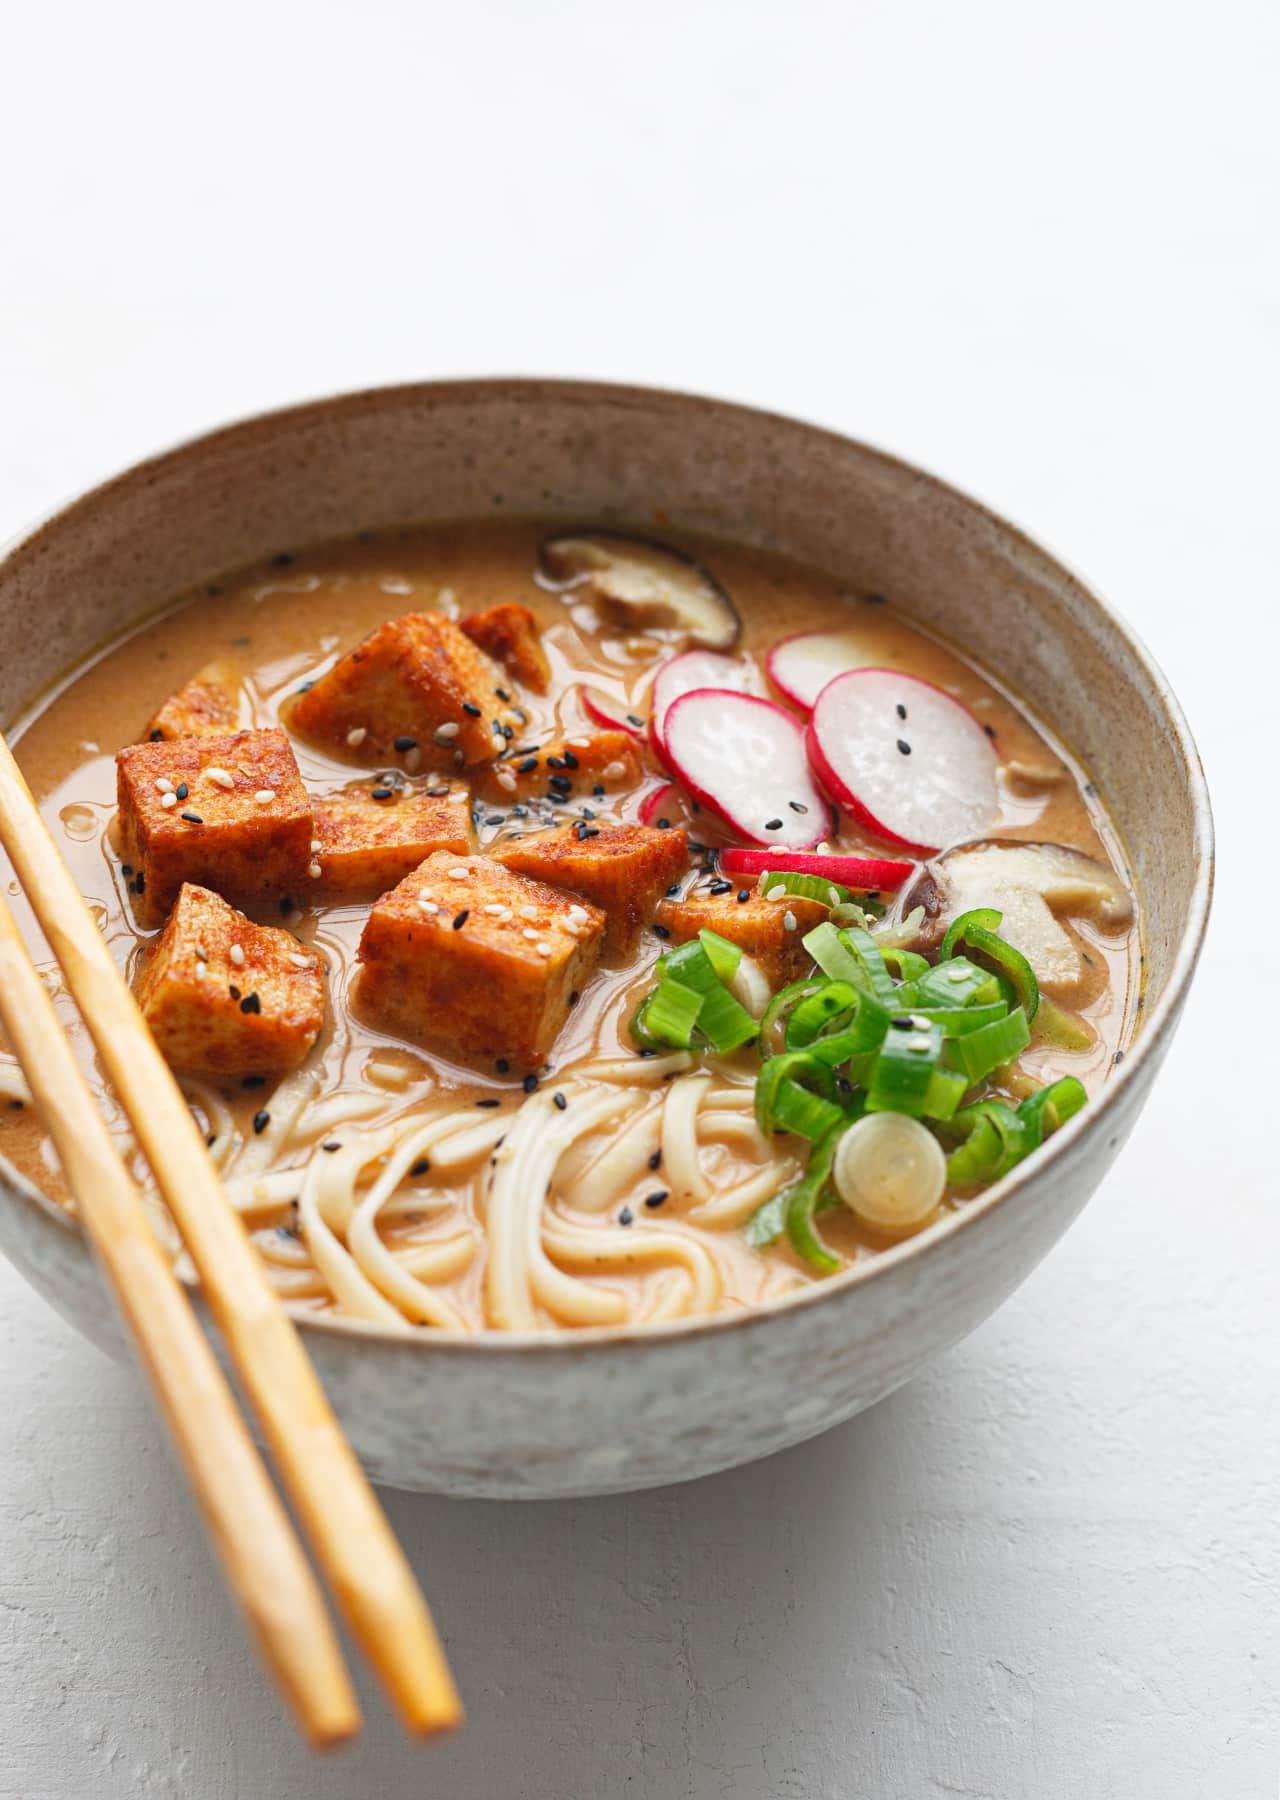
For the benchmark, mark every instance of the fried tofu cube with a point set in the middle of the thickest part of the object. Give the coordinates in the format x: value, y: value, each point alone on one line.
x: 469, y: 955
x: 229, y: 813
x: 369, y: 837
x: 415, y: 686
x: 572, y: 767
x: 206, y: 706
x: 625, y: 869
x: 224, y: 996
x: 757, y: 925
x: 509, y: 634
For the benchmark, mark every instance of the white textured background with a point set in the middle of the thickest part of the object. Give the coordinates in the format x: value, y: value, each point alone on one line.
x: 1034, y: 247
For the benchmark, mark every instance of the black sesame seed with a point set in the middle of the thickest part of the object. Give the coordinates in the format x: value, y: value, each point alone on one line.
x: 331, y: 1146
x: 286, y: 905
x: 212, y: 1139
x: 488, y: 1102
x: 902, y: 711
x: 234, y: 992
x: 380, y: 793
x: 904, y: 746
x: 139, y: 883
x: 560, y: 1101
x: 181, y: 791
x: 571, y: 761
x: 251, y: 1004
x: 471, y: 709
x: 720, y: 887
x: 655, y: 1161
x: 797, y: 806
x: 527, y: 767
x: 625, y: 1216
x: 556, y: 762
x: 253, y: 1081
x: 156, y: 735
x: 633, y: 719
x: 502, y: 1065
x: 126, y: 868
x: 657, y: 1199
x: 901, y: 1024
x: 507, y: 733
x: 420, y: 1167
x: 661, y: 931
x: 260, y: 1122
x: 460, y: 919
x: 773, y: 824
x: 744, y: 894
x: 587, y: 812
x: 990, y: 730
x: 673, y: 890
x: 519, y: 713
x: 496, y: 819
x: 1117, y: 1058
x: 663, y: 824
x: 560, y: 785
x: 193, y: 818
x: 529, y: 1083
x: 438, y: 793
x: 519, y: 812
x: 406, y: 743
x: 306, y: 687
x: 598, y: 790
x: 16, y: 1105
x: 502, y: 694
x: 574, y: 998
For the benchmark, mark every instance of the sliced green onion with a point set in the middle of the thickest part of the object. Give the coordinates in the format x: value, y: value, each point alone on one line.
x: 794, y: 1065
x: 1041, y: 1114
x: 905, y: 965
x: 1064, y: 1030
x: 990, y: 1047
x: 802, y: 1202
x: 666, y: 1017
x: 723, y: 956
x: 838, y: 1011
x: 805, y: 887
x: 774, y: 1022
x: 994, y: 1139
x: 955, y: 982
x: 900, y: 1076
x: 944, y: 1093
x: 869, y: 953
x: 724, y: 1021
x: 977, y: 933
x: 690, y: 966
x: 828, y: 948
x: 959, y: 1021
x: 810, y: 1116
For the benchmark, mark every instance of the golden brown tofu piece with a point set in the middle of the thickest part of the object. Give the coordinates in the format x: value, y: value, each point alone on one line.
x: 478, y: 959
x: 571, y: 768
x: 509, y: 634
x: 758, y: 925
x: 206, y: 706
x: 626, y: 869
x: 417, y: 687
x: 224, y: 996
x: 229, y: 813
x: 369, y: 837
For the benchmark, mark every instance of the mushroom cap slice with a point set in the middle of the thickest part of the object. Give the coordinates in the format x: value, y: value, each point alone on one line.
x: 639, y: 584
x: 1031, y: 885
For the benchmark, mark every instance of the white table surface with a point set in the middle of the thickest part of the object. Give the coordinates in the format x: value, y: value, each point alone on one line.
x: 1033, y: 248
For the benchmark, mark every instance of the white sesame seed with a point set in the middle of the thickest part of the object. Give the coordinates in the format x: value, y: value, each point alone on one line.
x: 202, y: 969
x: 578, y: 915
x: 264, y: 796
x: 920, y: 1024
x: 89, y: 747
x: 833, y: 896
x: 163, y: 784
x: 425, y: 894
x: 788, y: 921
x: 527, y: 912
x: 168, y: 800
x: 920, y: 1045
x: 445, y: 734
x: 459, y: 874
x: 957, y: 975
x: 356, y: 736
x: 505, y: 915
x: 824, y: 848
x: 506, y: 781
x: 613, y: 771
x: 494, y: 909
x: 777, y: 893
x: 236, y: 953
x: 314, y: 871
x: 299, y: 961
x: 530, y: 934
x: 219, y: 777
x: 429, y: 907
x: 544, y: 949
x: 201, y: 953
x: 579, y: 743
x: 316, y: 846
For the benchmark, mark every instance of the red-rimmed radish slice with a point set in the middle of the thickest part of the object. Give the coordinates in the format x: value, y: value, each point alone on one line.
x: 603, y: 709
x: 906, y: 759
x: 801, y: 666
x: 686, y: 674
x: 866, y: 874
x: 666, y: 802
x: 745, y: 757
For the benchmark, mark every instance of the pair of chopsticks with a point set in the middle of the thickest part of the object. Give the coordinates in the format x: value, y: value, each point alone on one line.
x: 264, y: 1563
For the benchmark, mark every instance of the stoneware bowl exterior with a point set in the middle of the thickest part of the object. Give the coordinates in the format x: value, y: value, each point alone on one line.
x: 608, y: 1410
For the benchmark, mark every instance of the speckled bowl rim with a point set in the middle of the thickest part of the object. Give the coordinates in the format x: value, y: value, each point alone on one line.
x: 1156, y: 1025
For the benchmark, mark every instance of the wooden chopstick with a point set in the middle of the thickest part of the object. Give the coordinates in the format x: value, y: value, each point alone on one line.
x: 365, y: 1567
x: 261, y: 1557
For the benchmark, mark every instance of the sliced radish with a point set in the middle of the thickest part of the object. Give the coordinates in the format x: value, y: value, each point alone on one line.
x: 603, y: 709
x: 665, y: 802
x: 746, y: 758
x: 686, y: 674
x: 801, y: 666
x: 906, y: 759
x: 867, y: 874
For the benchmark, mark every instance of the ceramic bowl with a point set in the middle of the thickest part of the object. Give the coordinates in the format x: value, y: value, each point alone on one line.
x: 613, y: 1409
